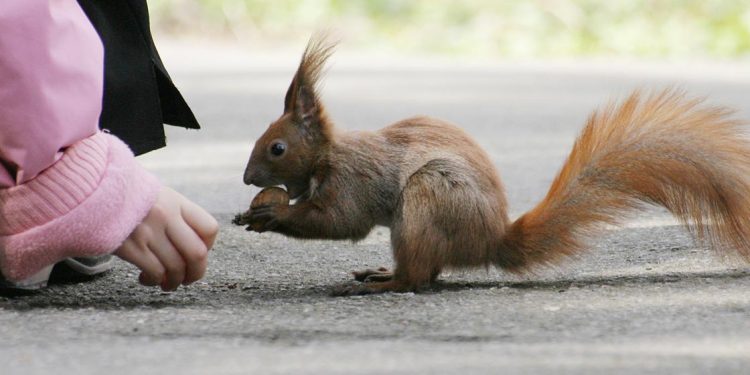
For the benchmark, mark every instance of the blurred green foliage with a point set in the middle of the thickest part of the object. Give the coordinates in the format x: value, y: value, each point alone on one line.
x: 544, y: 28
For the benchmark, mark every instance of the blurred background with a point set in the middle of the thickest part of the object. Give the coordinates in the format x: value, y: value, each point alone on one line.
x: 706, y: 29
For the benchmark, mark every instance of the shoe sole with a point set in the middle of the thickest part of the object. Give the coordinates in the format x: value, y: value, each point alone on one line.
x: 101, y: 264
x: 35, y: 282
x: 74, y: 266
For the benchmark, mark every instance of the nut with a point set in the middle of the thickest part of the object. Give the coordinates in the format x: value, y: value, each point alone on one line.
x: 267, y: 197
x: 270, y: 196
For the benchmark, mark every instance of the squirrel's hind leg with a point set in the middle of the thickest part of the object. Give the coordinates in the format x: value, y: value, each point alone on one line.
x: 419, y: 233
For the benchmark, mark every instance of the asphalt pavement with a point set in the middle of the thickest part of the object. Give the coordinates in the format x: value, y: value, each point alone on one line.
x: 644, y: 300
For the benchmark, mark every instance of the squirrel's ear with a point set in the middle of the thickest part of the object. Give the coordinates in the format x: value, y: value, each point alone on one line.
x: 306, y: 107
x: 302, y: 102
x: 290, y: 94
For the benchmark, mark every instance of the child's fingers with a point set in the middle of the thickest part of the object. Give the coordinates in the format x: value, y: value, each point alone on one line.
x: 170, y: 259
x: 152, y: 269
x: 193, y: 250
x: 204, y: 225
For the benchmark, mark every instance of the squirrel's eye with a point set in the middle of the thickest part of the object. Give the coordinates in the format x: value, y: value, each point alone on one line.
x: 278, y: 148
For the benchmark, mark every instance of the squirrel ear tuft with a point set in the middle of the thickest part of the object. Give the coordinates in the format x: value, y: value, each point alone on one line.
x: 301, y: 97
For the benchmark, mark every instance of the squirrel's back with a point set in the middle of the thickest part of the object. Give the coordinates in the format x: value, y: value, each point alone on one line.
x: 424, y: 139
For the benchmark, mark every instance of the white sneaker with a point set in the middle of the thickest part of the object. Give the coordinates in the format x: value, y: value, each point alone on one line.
x: 36, y: 281
x: 91, y: 265
x: 70, y: 268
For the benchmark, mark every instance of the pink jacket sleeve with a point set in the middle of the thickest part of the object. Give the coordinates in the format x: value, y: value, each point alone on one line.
x: 66, y: 189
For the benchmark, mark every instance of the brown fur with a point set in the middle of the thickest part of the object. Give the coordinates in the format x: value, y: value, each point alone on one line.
x: 663, y: 150
x: 441, y: 197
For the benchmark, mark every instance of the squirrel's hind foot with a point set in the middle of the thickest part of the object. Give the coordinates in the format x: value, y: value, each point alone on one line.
x: 370, y: 275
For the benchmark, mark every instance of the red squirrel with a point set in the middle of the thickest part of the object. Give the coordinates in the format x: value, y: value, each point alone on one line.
x: 445, y: 205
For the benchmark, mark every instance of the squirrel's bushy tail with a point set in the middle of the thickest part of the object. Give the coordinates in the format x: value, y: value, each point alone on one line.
x: 663, y: 149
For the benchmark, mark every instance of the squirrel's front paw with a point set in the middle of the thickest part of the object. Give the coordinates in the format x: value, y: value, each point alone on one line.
x: 265, y: 218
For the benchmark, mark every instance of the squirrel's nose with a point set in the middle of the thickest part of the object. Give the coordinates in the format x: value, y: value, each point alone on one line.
x: 249, y: 176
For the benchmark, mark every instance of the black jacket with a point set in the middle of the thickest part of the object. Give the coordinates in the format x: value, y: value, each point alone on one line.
x: 139, y: 96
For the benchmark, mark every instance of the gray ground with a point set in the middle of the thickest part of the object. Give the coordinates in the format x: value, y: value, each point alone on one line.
x: 643, y: 300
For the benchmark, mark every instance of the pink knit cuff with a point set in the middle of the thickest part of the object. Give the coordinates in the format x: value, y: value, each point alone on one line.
x: 86, y: 204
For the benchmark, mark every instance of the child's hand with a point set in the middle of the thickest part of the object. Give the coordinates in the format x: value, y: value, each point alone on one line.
x: 171, y: 245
